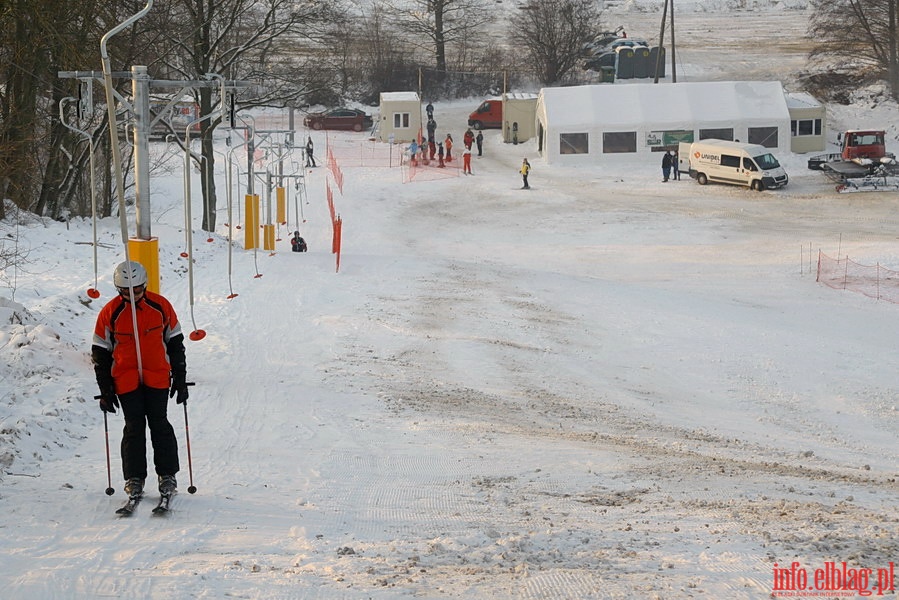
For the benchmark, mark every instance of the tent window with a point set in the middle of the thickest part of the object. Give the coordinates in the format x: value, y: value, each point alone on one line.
x: 717, y: 134
x: 763, y: 136
x: 806, y: 127
x: 401, y: 120
x: 614, y: 142
x: 573, y: 143
x: 662, y: 141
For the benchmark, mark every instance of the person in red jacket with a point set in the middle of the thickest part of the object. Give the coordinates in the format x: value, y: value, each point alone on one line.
x: 135, y: 372
x: 468, y: 138
x: 448, y: 146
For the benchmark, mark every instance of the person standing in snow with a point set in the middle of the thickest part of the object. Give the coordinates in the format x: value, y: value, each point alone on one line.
x: 135, y: 372
x: 432, y: 129
x: 466, y: 161
x: 525, y: 170
x: 310, y: 160
x: 448, y: 144
x: 468, y: 138
x: 430, y: 110
x: 675, y: 166
x: 666, y: 166
x: 479, y: 140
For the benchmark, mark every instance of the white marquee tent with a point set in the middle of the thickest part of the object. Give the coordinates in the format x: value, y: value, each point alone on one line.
x: 595, y: 123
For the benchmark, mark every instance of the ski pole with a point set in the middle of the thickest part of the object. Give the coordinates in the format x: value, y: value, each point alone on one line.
x: 192, y: 489
x: 109, y: 489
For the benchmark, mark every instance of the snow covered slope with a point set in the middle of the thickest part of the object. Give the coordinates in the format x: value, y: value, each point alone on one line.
x: 606, y: 387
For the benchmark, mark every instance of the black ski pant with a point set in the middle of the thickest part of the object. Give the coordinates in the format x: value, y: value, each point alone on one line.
x: 144, y: 407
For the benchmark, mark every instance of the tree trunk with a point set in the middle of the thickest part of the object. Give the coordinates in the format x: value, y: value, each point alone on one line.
x: 893, y: 67
x: 50, y: 201
x: 207, y: 165
x: 19, y: 120
x: 440, y: 39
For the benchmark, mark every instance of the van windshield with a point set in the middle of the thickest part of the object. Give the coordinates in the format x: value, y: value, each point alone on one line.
x: 766, y: 162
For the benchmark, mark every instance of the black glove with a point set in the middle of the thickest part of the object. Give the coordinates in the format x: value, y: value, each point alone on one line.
x: 179, y: 386
x: 108, y: 402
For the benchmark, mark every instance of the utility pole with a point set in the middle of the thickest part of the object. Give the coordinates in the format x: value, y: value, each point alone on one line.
x: 662, y: 44
x: 673, y: 63
x: 140, y: 87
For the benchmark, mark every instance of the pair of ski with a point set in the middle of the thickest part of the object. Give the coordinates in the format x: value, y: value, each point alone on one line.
x: 161, y: 508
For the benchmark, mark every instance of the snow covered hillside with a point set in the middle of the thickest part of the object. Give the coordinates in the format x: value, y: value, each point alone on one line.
x: 604, y: 387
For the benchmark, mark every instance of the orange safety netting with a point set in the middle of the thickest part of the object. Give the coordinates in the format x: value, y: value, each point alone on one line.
x: 873, y: 281
x: 429, y: 170
x: 365, y: 153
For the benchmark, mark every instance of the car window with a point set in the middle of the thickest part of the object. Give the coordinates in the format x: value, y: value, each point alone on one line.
x: 728, y: 160
x: 767, y: 162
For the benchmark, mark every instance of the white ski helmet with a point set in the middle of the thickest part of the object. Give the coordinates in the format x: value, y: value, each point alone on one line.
x: 129, y: 274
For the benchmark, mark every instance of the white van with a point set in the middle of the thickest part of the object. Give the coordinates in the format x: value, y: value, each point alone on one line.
x: 732, y: 162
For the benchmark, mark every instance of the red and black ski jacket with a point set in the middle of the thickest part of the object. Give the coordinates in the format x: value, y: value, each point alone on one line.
x: 114, y: 351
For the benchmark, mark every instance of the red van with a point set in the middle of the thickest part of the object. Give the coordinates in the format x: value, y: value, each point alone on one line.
x: 489, y: 115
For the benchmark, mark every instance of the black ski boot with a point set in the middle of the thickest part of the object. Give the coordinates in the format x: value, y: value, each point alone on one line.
x: 167, y: 485
x: 134, y: 487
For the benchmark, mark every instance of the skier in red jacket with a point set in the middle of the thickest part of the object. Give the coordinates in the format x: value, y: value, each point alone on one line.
x: 135, y: 372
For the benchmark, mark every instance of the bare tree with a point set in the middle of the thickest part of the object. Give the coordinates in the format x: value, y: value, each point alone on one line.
x: 857, y: 39
x: 551, y: 34
x: 237, y: 39
x: 40, y: 159
x: 24, y: 77
x: 439, y: 23
x: 369, y: 55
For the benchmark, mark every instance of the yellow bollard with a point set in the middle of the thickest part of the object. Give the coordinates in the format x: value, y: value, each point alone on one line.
x: 146, y: 252
x: 251, y: 224
x: 281, y: 197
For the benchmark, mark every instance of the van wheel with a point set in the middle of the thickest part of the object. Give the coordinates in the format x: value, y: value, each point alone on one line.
x: 702, y: 179
x: 476, y: 125
x: 758, y: 185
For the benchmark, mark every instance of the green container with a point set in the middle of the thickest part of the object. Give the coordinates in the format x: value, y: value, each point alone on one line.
x: 607, y: 74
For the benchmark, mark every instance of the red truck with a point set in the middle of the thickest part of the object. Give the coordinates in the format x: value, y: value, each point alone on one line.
x: 863, y: 163
x: 489, y: 115
x: 861, y: 148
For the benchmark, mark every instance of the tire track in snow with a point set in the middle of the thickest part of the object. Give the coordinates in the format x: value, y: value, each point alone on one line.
x: 416, y: 494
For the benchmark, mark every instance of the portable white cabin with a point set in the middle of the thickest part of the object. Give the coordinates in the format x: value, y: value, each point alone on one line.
x: 808, y: 123
x: 519, y: 117
x: 597, y: 123
x: 400, y: 117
